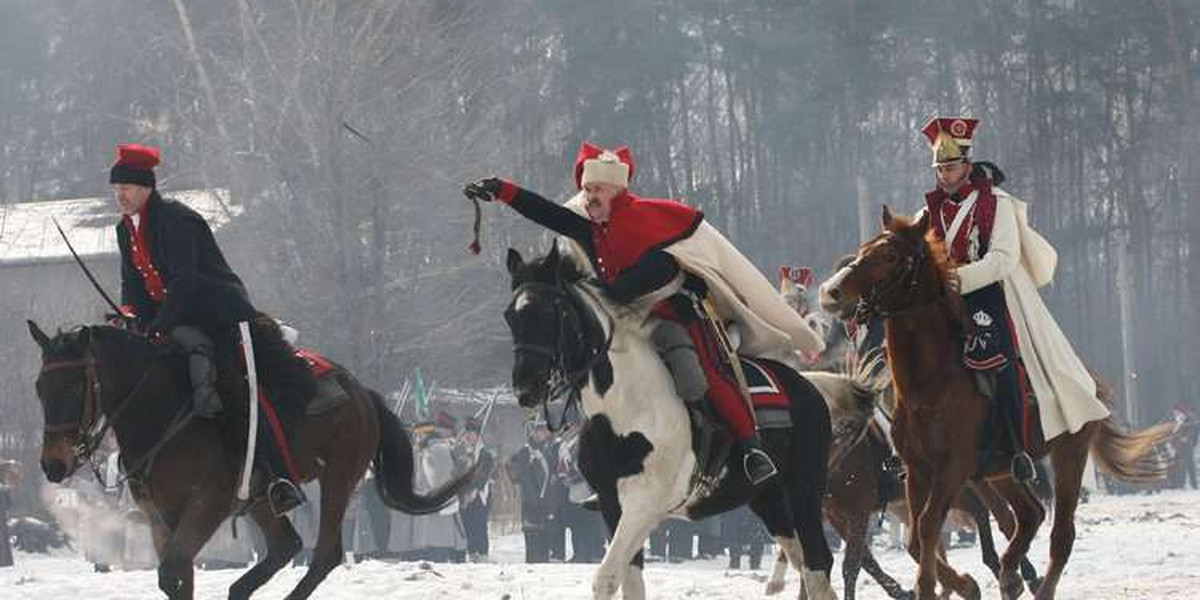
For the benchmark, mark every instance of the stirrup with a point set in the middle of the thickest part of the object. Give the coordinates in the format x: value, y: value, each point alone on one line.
x: 893, y: 466
x: 591, y: 502
x: 762, y: 477
x: 283, y: 496
x: 1022, y: 468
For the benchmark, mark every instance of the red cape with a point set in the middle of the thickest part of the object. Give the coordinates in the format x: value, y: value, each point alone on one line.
x: 637, y: 226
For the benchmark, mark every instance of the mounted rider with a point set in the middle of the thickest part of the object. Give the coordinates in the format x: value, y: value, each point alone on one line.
x: 177, y: 286
x: 639, y: 246
x: 1013, y: 342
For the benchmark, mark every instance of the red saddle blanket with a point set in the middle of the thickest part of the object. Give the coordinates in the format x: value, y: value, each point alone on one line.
x: 319, y: 365
x: 765, y: 389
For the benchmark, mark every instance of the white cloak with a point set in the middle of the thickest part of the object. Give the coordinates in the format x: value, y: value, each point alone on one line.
x: 1022, y: 260
x: 767, y: 326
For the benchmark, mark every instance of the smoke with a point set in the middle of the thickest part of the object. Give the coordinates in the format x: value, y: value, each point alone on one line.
x: 104, y: 526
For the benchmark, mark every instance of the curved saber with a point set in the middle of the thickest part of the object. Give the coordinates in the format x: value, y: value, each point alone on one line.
x: 86, y: 271
x: 243, y: 493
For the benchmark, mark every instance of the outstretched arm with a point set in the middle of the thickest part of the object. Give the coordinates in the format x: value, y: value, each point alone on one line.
x: 533, y: 207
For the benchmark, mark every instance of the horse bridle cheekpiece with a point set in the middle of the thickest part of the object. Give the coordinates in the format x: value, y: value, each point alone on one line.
x: 564, y: 381
x: 88, y: 424
x: 907, y: 280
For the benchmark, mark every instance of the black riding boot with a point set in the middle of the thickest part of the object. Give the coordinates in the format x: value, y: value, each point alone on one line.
x: 200, y: 352
x: 757, y: 463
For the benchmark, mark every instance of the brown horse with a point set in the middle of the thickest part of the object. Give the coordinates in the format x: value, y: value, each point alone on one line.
x: 184, y: 477
x: 903, y: 275
x: 856, y: 491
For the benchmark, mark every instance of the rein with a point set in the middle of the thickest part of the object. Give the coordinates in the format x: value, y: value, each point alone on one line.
x: 875, y: 303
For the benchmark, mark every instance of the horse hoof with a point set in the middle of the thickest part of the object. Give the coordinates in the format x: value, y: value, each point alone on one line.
x: 1011, y: 585
x: 972, y: 589
x: 774, y: 587
x: 605, y: 588
x: 1036, y: 585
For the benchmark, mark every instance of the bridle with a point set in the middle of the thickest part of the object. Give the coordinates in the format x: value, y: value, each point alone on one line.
x: 565, y: 381
x: 93, y: 424
x: 880, y: 300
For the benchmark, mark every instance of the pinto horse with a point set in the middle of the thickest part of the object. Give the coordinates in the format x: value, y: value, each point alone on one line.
x: 184, y: 477
x: 636, y: 448
x: 903, y: 275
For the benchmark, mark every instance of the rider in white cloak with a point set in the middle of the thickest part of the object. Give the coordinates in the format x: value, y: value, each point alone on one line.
x: 1002, y: 263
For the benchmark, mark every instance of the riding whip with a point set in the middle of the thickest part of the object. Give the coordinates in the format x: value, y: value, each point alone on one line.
x: 88, y: 272
x: 474, y: 247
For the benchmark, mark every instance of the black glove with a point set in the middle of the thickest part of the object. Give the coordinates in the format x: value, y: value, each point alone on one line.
x: 484, y: 190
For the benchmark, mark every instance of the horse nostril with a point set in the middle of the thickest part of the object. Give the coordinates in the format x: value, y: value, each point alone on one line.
x: 55, y: 470
x: 835, y: 293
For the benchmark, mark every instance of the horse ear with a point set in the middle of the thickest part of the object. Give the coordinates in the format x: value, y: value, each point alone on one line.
x: 922, y: 224
x: 515, y: 262
x: 85, y: 337
x: 39, y: 336
x: 887, y: 217
x: 553, y: 257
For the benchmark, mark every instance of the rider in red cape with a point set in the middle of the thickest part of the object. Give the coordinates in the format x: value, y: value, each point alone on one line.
x: 176, y: 284
x: 638, y: 246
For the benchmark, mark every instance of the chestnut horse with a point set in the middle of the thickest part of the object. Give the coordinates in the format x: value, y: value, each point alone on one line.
x: 903, y: 275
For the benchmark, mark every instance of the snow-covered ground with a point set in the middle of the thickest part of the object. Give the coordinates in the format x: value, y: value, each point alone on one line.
x: 1145, y: 547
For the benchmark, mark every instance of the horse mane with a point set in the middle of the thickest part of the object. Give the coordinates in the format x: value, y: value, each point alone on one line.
x: 71, y: 343
x: 555, y: 266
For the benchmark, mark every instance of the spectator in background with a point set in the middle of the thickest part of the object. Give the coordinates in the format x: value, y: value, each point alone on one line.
x: 587, y: 526
x: 475, y: 497
x: 1187, y: 429
x: 530, y: 468
x: 438, y: 537
x: 10, y: 478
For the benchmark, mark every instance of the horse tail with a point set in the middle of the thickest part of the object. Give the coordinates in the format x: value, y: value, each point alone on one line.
x: 394, y: 468
x: 1127, y: 455
x: 1123, y: 454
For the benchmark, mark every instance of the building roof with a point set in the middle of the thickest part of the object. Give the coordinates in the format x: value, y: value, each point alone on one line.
x: 28, y: 236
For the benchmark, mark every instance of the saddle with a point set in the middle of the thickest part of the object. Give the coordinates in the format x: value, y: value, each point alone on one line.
x: 711, y: 439
x: 330, y: 392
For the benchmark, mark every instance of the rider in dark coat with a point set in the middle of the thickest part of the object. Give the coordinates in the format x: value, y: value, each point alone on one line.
x: 177, y: 285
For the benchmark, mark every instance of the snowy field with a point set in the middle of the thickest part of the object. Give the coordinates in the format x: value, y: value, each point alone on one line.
x: 1144, y: 547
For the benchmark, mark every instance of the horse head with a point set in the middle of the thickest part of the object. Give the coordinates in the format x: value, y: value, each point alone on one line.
x: 554, y: 318
x: 69, y: 387
x: 899, y: 269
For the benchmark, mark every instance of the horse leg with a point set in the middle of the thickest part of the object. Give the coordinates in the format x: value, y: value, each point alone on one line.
x: 631, y: 517
x: 853, y: 529
x: 1029, y: 514
x: 931, y: 562
x: 889, y: 585
x: 808, y: 483
x: 1008, y: 526
x: 199, y: 519
x: 1068, y: 461
x: 337, y: 484
x: 778, y: 572
x: 975, y: 505
x: 773, y: 512
x: 282, y: 544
